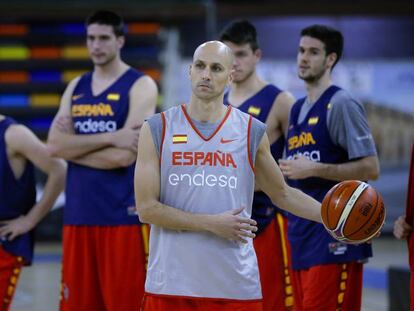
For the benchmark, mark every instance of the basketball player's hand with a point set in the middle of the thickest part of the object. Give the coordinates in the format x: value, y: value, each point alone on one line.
x: 401, y: 229
x: 127, y: 138
x: 298, y: 168
x: 65, y: 125
x: 10, y: 229
x: 231, y: 226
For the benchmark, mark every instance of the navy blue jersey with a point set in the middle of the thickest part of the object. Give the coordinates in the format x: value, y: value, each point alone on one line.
x: 98, y: 196
x: 259, y: 106
x: 310, y: 243
x: 17, y: 197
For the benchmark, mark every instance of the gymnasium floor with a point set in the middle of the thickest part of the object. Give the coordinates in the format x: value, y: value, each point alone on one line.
x: 38, y: 288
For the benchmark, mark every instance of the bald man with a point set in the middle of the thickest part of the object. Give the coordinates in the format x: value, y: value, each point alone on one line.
x: 194, y: 182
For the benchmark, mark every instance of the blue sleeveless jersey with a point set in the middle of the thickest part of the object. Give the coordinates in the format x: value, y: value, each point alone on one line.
x: 259, y: 106
x: 17, y: 197
x: 311, y: 244
x: 97, y: 196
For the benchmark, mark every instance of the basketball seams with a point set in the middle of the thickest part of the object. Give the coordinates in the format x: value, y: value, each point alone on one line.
x: 329, y: 202
x: 372, y: 214
x: 376, y: 231
x: 347, y: 202
x: 349, y: 205
x: 337, y: 188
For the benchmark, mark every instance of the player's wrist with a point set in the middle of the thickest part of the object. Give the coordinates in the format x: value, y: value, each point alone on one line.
x: 208, y: 223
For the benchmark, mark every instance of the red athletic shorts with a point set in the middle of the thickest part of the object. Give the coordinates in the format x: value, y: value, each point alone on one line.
x: 273, y: 256
x: 153, y: 302
x: 328, y: 287
x: 103, y: 267
x: 10, y: 267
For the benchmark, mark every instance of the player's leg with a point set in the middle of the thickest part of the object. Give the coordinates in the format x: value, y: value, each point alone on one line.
x: 412, y: 287
x: 80, y: 282
x: 165, y: 302
x: 122, y: 266
x: 273, y: 256
x: 352, y: 295
x: 10, y: 268
x: 328, y: 287
x: 297, y: 289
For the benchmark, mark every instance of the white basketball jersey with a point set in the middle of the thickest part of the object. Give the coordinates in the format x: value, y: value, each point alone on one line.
x: 204, y: 176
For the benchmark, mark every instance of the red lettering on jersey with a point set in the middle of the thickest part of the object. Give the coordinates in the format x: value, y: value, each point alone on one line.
x: 208, y: 160
x: 188, y: 157
x: 229, y: 160
x: 176, y: 158
x: 200, y: 158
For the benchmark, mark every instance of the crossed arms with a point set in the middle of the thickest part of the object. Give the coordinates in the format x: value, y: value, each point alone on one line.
x: 105, y: 150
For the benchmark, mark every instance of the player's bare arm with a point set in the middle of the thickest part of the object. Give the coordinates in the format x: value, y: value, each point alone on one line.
x: 271, y: 181
x: 63, y: 143
x: 23, y: 145
x: 142, y: 103
x: 278, y: 118
x: 147, y: 192
x: 366, y: 168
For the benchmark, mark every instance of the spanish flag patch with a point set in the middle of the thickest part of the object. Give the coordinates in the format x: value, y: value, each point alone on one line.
x: 113, y: 96
x: 313, y: 120
x: 180, y: 139
x: 254, y: 110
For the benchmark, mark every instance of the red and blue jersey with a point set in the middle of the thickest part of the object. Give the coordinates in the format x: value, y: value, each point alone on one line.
x: 18, y: 195
x: 259, y: 106
x: 311, y: 244
x: 97, y: 196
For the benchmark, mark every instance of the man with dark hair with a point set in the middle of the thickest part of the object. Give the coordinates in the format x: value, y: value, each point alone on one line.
x: 20, y: 151
x: 107, y: 18
x: 264, y: 101
x: 194, y: 181
x: 328, y: 140
x: 96, y: 129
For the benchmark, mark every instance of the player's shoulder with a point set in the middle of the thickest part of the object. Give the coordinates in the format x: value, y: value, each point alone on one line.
x: 73, y: 83
x: 155, y: 118
x: 254, y: 122
x: 142, y: 81
x: 17, y: 133
x: 344, y: 98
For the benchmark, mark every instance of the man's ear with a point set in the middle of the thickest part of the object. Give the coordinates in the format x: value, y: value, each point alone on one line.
x: 258, y: 54
x: 230, y: 80
x: 121, y: 41
x: 331, y: 59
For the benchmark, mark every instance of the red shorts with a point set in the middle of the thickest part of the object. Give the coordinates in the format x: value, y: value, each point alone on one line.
x: 273, y: 256
x: 104, y: 267
x: 153, y: 302
x: 412, y: 291
x: 329, y: 287
x: 10, y: 267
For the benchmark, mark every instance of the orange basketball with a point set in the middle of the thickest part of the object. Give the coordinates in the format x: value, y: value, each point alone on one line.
x: 353, y: 212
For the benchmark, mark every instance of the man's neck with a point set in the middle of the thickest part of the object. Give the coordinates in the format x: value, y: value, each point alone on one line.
x: 241, y: 91
x: 315, y: 89
x: 113, y: 69
x: 210, y: 111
